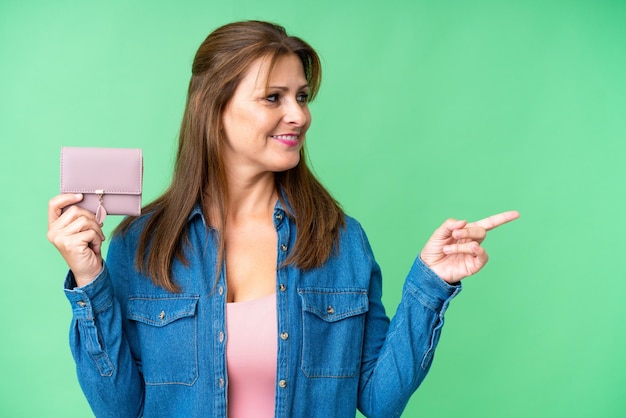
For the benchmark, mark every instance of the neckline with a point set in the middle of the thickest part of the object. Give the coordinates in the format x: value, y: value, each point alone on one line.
x: 252, y: 301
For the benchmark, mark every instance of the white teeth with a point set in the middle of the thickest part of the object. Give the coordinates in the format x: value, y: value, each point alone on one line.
x: 286, y: 137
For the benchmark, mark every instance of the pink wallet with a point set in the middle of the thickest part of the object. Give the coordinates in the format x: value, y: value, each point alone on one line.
x: 110, y: 179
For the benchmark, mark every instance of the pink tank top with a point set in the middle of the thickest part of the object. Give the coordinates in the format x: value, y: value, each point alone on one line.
x: 251, y: 352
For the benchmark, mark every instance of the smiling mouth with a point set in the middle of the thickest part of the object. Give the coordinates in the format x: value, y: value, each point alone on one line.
x: 286, y: 137
x: 290, y: 140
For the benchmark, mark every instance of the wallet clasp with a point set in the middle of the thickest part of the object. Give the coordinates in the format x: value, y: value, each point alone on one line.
x: 101, y: 212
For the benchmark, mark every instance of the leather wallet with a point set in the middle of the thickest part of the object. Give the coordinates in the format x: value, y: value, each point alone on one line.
x: 110, y: 179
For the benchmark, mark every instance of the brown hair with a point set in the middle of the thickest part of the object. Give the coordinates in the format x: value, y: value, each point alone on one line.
x: 199, y: 175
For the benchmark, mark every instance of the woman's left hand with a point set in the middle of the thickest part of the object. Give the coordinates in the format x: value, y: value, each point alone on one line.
x: 454, y: 250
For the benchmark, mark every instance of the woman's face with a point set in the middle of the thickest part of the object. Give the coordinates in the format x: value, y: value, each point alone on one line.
x: 265, y: 124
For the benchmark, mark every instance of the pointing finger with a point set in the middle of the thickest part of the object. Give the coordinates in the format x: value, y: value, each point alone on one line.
x: 495, y: 221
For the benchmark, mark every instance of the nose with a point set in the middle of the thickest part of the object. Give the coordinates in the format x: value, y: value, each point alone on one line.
x: 296, y: 113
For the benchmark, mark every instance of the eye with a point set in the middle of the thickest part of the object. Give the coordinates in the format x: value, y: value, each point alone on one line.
x: 273, y: 98
x: 303, y: 97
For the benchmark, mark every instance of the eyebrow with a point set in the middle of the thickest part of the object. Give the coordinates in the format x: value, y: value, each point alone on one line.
x: 283, y: 88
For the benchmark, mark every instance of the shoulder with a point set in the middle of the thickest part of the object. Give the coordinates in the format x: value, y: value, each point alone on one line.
x: 131, y: 228
x: 353, y: 240
x: 353, y: 229
x: 125, y: 238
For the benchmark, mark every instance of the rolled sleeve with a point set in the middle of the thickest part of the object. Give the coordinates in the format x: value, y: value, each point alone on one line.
x: 106, y: 369
x: 91, y: 299
x: 409, y: 342
x: 430, y: 289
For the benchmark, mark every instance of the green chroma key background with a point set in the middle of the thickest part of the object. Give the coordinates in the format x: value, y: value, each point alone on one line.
x: 428, y: 110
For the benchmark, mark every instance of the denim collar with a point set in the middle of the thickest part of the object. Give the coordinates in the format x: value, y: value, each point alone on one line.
x: 279, y: 210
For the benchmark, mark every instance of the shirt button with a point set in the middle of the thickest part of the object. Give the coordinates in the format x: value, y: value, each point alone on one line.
x: 283, y: 247
x: 279, y: 216
x: 81, y: 303
x: 282, y: 383
x: 330, y: 310
x: 282, y: 287
x: 284, y: 335
x: 221, y: 290
x: 221, y: 336
x: 221, y: 382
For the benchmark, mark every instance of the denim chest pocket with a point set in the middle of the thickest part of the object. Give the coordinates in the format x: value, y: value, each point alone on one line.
x: 333, y: 323
x: 168, y: 334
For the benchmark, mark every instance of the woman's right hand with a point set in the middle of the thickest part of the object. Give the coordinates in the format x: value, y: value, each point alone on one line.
x: 77, y: 236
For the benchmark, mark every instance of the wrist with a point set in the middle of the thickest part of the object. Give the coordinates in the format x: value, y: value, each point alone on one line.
x: 83, y: 278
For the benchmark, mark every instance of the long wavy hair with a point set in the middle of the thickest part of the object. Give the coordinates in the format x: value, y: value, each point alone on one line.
x: 199, y: 174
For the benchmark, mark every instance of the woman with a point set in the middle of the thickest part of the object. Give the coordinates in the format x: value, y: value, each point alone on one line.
x: 244, y: 290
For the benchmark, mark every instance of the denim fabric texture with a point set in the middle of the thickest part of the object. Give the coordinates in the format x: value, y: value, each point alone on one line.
x: 143, y: 351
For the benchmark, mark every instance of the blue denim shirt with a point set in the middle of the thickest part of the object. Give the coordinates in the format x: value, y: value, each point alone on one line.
x: 143, y: 351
